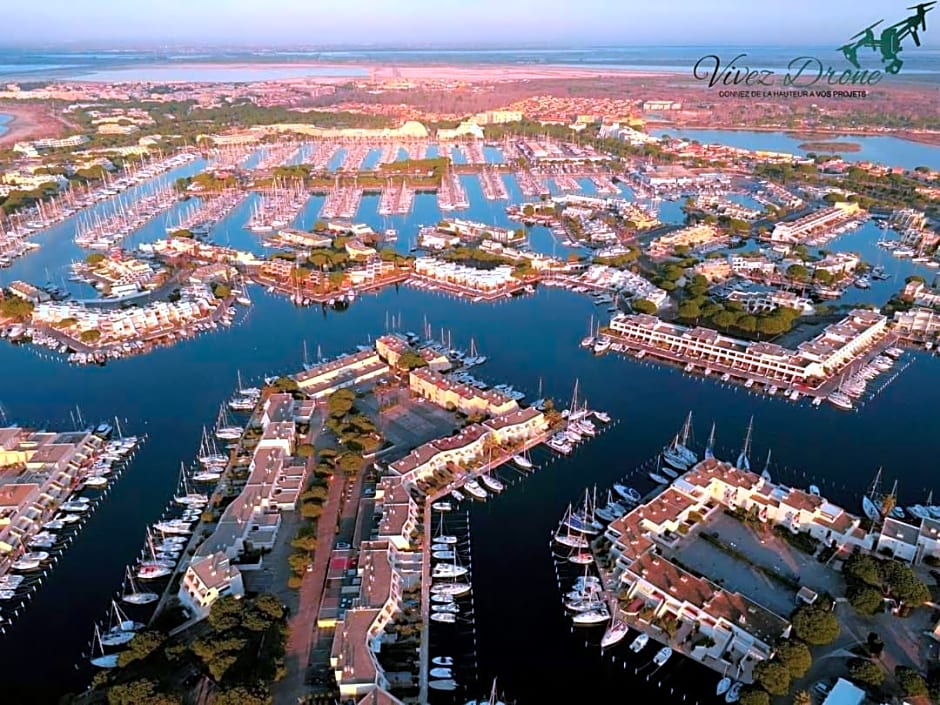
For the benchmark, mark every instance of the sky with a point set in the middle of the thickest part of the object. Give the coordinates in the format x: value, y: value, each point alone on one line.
x: 448, y: 22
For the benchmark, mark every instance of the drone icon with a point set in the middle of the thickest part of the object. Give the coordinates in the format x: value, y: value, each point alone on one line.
x: 889, y: 43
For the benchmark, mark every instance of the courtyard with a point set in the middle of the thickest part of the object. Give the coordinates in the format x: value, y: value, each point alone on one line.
x: 751, y: 558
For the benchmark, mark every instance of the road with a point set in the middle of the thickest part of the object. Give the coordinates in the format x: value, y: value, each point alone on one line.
x: 303, y: 622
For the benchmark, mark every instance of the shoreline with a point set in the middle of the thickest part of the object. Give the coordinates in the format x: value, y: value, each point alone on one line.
x: 29, y: 122
x: 811, y: 134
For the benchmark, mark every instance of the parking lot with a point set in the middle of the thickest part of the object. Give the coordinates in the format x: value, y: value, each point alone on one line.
x: 762, y: 549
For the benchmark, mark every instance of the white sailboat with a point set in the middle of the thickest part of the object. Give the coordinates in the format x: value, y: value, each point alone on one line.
x: 102, y: 660
x: 710, y: 446
x: 871, y: 502
x: 135, y: 596
x: 766, y: 472
x: 744, y: 461
x: 225, y: 430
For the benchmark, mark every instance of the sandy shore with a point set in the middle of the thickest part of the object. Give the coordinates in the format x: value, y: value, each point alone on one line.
x: 29, y: 122
x: 405, y: 71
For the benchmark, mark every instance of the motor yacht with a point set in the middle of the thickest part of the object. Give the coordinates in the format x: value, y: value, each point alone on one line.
x: 638, y: 644
x: 663, y: 655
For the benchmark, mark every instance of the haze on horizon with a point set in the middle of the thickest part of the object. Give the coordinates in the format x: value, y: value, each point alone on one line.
x: 443, y: 23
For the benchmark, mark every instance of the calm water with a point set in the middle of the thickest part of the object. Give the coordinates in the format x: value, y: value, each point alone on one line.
x: 4, y: 119
x: 219, y: 74
x: 171, y: 394
x: 882, y: 149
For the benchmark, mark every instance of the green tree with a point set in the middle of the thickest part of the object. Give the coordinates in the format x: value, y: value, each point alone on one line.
x: 221, y: 291
x: 860, y: 567
x: 802, y: 697
x: 724, y: 319
x: 410, y: 360
x: 94, y: 258
x: 746, y: 323
x: 240, y: 695
x: 89, y: 336
x: 910, y: 681
x: 350, y: 463
x: 340, y: 402
x: 286, y: 385
x: 902, y: 582
x: 13, y: 307
x: 797, y: 272
x: 644, y: 306
x: 795, y: 655
x: 138, y: 692
x: 689, y: 310
x: 865, y: 672
x: 774, y: 677
x: 698, y: 285
x: 754, y: 696
x: 814, y: 625
x: 865, y: 599
x: 305, y: 450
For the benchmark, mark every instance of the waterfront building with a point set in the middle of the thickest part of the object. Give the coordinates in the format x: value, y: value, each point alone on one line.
x: 196, y: 303
x: 694, y: 237
x: 398, y: 512
x: 39, y: 470
x: 807, y: 226
x: 918, y: 293
x: 345, y: 371
x: 919, y: 323
x: 449, y: 394
x: 27, y: 292
x: 742, y: 632
x: 469, y: 231
x: 251, y: 521
x: 717, y: 269
x: 391, y: 347
x: 837, y: 263
x: 673, y: 176
x: 301, y: 238
x: 751, y: 266
x: 384, y: 571
x: 478, y: 280
x: 813, y: 360
x: 358, y: 251
x: 207, y: 579
x: 770, y: 300
x: 623, y: 280
x: 468, y: 446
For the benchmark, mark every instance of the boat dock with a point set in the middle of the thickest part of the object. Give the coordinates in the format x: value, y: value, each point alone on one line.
x: 748, y: 378
x: 40, y: 533
x: 493, y: 186
x: 99, y: 232
x: 342, y: 201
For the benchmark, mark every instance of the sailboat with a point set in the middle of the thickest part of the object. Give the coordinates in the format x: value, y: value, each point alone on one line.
x: 492, y: 700
x: 889, y: 506
x: 522, y: 460
x: 744, y: 462
x: 189, y: 498
x: 677, y: 453
x: 766, y: 472
x: 665, y: 470
x: 208, y: 451
x: 566, y: 537
x: 102, y: 660
x: 588, y: 342
x: 871, y: 503
x: 615, y: 633
x: 135, y: 596
x: 225, y: 430
x: 710, y: 446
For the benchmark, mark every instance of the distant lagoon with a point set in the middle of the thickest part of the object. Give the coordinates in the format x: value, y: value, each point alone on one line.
x: 892, y: 151
x: 219, y: 74
x: 4, y: 119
